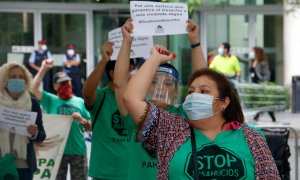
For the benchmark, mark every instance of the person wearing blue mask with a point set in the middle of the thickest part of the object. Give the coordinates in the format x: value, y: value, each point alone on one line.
x: 14, y: 93
x: 226, y: 63
x: 212, y: 143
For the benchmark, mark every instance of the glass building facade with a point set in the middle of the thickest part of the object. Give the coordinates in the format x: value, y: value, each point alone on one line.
x: 86, y: 23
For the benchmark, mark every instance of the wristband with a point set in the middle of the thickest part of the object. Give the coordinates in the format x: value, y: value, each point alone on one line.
x: 195, y: 45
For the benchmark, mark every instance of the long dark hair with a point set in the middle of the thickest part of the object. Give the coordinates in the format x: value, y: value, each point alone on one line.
x: 233, y: 111
x: 260, y: 54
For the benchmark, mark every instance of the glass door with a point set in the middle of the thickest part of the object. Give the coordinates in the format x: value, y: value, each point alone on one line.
x: 60, y: 29
x: 16, y: 30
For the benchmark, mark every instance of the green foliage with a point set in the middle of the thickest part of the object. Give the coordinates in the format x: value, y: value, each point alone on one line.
x: 263, y: 97
x: 259, y: 97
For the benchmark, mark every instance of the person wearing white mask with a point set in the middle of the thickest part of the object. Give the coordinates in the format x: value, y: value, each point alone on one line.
x: 226, y: 63
x: 35, y: 62
x: 72, y: 68
x: 212, y: 143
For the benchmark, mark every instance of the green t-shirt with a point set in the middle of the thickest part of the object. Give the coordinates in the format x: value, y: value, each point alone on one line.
x: 228, y: 65
x: 217, y: 159
x: 110, y: 143
x: 143, y: 163
x: 52, y: 104
x: 8, y: 169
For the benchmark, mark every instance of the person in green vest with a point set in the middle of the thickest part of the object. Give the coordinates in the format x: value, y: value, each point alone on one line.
x: 110, y: 150
x: 66, y: 103
x: 226, y: 63
x: 163, y: 92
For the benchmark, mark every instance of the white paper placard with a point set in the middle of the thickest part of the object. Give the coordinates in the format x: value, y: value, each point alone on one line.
x: 16, y: 121
x: 155, y: 18
x: 140, y: 47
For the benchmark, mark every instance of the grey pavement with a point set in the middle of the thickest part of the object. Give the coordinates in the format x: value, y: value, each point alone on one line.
x: 292, y: 120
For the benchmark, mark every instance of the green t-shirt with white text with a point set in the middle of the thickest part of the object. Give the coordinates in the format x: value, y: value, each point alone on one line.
x: 226, y: 157
x: 110, y: 142
x: 52, y: 104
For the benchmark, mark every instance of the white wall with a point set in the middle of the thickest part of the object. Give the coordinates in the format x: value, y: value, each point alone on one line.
x: 291, y: 44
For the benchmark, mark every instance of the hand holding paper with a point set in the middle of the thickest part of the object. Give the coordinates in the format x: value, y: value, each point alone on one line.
x: 107, y: 50
x: 32, y: 129
x: 127, y: 30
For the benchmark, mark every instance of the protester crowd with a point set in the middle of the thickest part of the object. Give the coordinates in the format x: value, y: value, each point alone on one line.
x: 139, y: 128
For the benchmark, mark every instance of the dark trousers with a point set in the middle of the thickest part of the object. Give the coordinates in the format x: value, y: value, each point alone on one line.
x: 25, y: 174
x: 271, y: 113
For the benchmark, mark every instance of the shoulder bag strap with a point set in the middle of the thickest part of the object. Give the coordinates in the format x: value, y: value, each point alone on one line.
x: 194, y: 154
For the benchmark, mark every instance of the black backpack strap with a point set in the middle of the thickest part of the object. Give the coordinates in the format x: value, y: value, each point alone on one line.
x: 97, y: 113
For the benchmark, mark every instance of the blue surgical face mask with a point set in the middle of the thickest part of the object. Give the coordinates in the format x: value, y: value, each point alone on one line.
x: 198, y: 106
x: 251, y: 55
x: 220, y: 51
x: 16, y: 85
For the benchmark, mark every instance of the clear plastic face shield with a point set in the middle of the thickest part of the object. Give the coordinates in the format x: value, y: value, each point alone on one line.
x: 165, y: 86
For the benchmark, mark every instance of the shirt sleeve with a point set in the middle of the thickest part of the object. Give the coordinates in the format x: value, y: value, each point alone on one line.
x: 49, y: 55
x: 77, y: 57
x: 237, y: 64
x: 47, y: 101
x: 213, y: 63
x: 161, y: 128
x: 32, y: 57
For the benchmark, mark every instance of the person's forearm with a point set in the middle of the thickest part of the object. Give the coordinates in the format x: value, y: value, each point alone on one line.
x: 198, y: 60
x: 122, y: 64
x: 74, y: 62
x: 35, y: 86
x: 91, y: 83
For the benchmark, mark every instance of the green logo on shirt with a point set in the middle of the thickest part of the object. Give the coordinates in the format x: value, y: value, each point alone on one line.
x: 66, y: 109
x: 215, y: 162
x: 117, y: 124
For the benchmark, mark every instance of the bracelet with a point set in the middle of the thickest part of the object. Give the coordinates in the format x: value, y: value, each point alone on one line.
x: 195, y: 45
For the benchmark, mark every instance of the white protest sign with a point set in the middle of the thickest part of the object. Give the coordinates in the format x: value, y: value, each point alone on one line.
x: 16, y: 121
x: 155, y: 18
x: 50, y: 151
x: 140, y: 47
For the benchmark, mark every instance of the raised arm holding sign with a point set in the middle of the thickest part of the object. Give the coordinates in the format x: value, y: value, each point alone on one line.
x: 156, y: 19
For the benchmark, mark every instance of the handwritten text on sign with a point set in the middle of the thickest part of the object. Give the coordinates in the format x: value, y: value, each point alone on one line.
x: 152, y: 18
x: 140, y: 47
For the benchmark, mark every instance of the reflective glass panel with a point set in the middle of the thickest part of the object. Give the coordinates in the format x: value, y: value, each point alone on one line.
x: 16, y: 29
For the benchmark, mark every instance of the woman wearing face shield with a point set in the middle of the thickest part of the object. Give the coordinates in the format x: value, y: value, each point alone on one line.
x: 212, y: 143
x: 164, y: 92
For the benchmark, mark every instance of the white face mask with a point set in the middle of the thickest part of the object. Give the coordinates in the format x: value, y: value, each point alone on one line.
x: 44, y: 47
x: 251, y: 55
x: 70, y: 52
x: 220, y: 51
x: 199, y: 106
